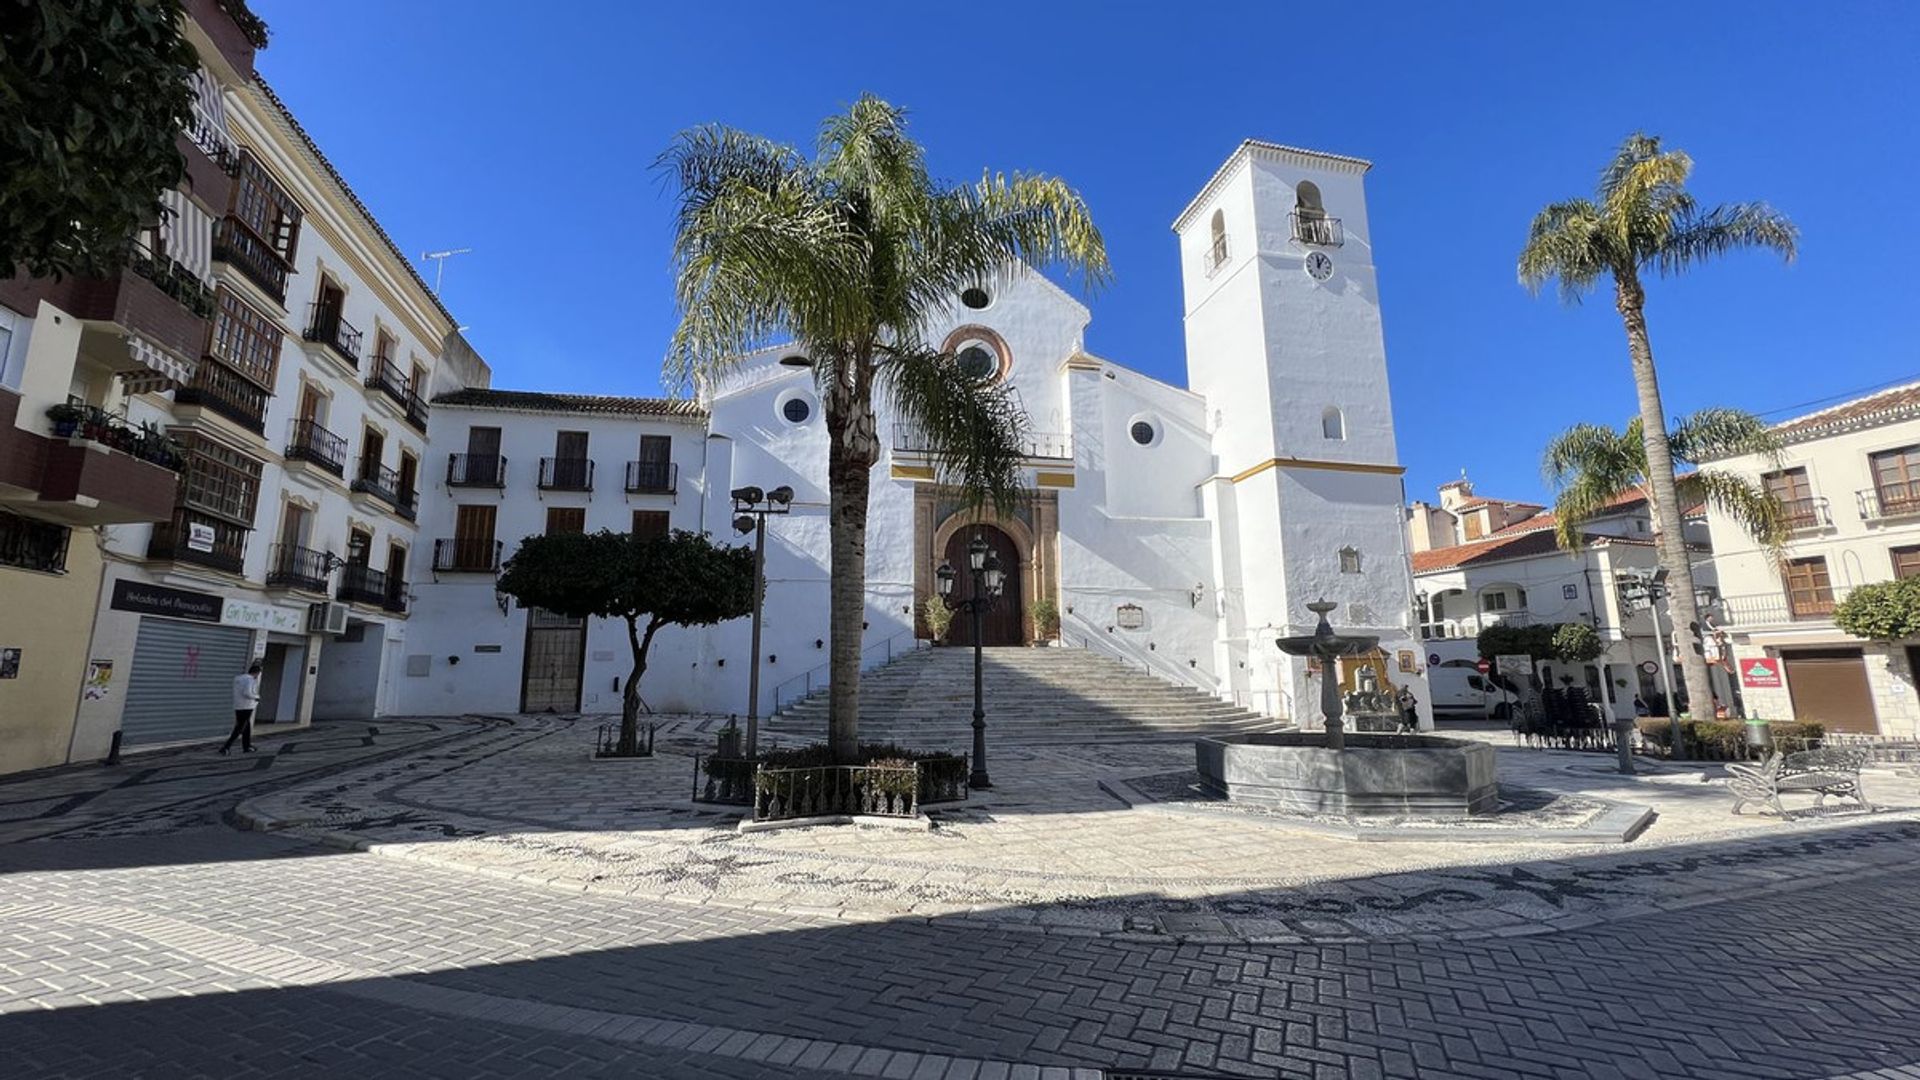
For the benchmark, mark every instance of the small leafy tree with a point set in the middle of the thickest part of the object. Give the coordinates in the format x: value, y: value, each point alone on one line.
x: 92, y: 95
x: 1046, y: 618
x: 939, y: 617
x: 681, y: 579
x: 1504, y: 640
x: 1882, y: 611
x: 1577, y: 643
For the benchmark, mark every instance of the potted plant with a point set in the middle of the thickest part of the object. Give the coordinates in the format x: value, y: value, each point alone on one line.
x: 66, y: 419
x: 1046, y: 621
x: 939, y: 618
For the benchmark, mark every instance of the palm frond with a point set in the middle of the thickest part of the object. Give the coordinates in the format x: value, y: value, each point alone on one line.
x: 975, y: 429
x: 1590, y: 467
x: 1724, y: 229
x: 1720, y: 433
x: 1564, y: 244
x: 1758, y: 513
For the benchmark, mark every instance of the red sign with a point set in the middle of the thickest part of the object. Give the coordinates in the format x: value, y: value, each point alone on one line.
x: 1760, y: 671
x: 1483, y: 666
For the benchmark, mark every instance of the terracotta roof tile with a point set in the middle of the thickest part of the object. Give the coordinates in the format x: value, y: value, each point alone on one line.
x: 1491, y: 549
x: 534, y: 401
x: 1898, y: 403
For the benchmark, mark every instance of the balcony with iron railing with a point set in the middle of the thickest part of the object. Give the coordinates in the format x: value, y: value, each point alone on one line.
x: 255, y: 258
x: 1757, y: 610
x: 222, y: 390
x: 1805, y: 515
x: 308, y: 441
x: 385, y: 376
x: 361, y: 584
x: 199, y: 538
x: 466, y: 555
x: 652, y: 477
x: 326, y: 326
x: 1039, y: 445
x: 416, y: 410
x: 290, y: 566
x: 1886, y: 502
x: 1318, y: 230
x: 395, y: 599
x: 566, y: 474
x: 476, y: 471
x: 377, y: 480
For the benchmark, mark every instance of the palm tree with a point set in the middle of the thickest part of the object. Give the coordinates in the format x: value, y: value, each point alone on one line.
x: 1593, y: 467
x: 850, y: 255
x: 1642, y: 218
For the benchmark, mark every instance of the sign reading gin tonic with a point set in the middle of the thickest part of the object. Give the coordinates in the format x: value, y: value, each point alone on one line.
x: 1761, y: 671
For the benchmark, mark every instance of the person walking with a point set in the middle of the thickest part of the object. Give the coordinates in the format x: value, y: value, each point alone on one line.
x: 246, y: 698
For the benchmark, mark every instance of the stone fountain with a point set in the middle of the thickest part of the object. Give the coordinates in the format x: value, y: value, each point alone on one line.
x: 1328, y: 772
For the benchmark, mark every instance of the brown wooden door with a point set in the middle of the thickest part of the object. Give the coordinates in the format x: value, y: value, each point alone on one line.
x: 473, y: 537
x: 551, y: 670
x: 1005, y: 624
x: 1830, y: 685
x: 483, y: 455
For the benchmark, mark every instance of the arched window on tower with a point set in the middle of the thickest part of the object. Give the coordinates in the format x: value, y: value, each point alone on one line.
x: 1311, y: 225
x: 1332, y: 424
x: 1217, y: 249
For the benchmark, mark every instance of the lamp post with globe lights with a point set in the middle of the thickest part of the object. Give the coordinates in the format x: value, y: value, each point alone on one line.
x: 750, y: 509
x: 988, y: 579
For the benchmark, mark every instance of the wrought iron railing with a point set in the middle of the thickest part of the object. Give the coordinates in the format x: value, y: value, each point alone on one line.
x: 308, y: 441
x: 33, y: 545
x: 1809, y: 513
x: 476, y: 470
x: 396, y: 598
x: 466, y: 555
x: 377, y: 480
x: 1048, y: 445
x: 1899, y: 499
x: 383, y: 375
x: 566, y: 474
x: 1778, y: 608
x: 1317, y: 229
x: 218, y: 544
x: 654, y: 477
x: 236, y: 245
x: 416, y: 408
x: 835, y: 791
x: 225, y: 391
x: 290, y: 566
x: 814, y: 679
x: 363, y: 584
x: 326, y: 326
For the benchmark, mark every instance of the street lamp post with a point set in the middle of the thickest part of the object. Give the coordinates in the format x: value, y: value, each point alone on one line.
x: 988, y: 579
x: 750, y: 509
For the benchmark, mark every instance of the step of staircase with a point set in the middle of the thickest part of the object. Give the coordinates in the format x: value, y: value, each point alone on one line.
x: 1031, y: 697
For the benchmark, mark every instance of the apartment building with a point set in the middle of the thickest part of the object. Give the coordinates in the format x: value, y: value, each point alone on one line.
x: 1849, y: 481
x: 271, y: 328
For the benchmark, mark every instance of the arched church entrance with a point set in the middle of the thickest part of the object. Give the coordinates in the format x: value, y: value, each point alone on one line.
x: 1005, y: 624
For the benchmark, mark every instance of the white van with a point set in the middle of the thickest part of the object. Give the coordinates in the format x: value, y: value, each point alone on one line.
x: 1459, y: 690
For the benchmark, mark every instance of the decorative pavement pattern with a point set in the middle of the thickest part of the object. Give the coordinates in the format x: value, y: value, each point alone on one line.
x: 520, y: 802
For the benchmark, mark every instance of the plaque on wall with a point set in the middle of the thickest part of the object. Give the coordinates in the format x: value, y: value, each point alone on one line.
x: 1130, y: 616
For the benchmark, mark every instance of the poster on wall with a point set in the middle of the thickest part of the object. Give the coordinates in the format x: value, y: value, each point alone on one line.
x: 1761, y: 671
x: 9, y: 663
x: 199, y: 537
x: 99, y: 680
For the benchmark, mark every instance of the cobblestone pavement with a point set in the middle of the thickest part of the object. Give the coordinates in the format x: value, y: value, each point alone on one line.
x: 1051, y: 849
x: 194, y: 950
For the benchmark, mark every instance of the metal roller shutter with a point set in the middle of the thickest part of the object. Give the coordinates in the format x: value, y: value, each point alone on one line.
x: 182, y: 683
x: 1830, y: 685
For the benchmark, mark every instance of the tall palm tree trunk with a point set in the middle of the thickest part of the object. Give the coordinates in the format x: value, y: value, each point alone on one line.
x: 850, y: 456
x: 1631, y: 299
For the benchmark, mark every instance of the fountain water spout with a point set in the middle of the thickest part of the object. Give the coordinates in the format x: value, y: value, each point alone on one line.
x: 1328, y: 647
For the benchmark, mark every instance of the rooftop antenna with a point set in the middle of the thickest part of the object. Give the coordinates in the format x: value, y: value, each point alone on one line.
x: 439, y: 261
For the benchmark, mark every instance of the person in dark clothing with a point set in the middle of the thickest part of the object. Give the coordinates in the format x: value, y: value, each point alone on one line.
x: 246, y: 698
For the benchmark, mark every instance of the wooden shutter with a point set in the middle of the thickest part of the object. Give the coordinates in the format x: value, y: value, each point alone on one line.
x: 650, y: 523
x: 566, y: 519
x: 1809, y: 590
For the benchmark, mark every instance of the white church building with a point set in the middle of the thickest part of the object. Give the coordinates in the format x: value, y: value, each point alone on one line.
x: 1182, y: 528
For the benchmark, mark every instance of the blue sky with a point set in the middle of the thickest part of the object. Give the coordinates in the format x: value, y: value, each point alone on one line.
x: 526, y: 132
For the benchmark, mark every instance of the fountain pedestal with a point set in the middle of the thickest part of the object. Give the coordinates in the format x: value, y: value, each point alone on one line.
x: 1370, y: 774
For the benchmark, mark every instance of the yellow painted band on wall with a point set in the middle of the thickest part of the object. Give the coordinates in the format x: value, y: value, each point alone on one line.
x: 912, y: 472
x: 1306, y: 463
x: 1053, y: 480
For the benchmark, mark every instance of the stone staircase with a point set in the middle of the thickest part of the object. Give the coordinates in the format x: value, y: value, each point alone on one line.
x: 1033, y: 696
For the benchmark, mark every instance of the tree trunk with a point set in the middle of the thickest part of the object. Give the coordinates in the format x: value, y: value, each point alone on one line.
x: 852, y: 450
x: 1631, y: 299
x: 630, y: 699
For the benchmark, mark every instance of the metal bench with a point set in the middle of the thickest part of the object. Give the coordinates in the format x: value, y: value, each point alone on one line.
x: 1823, y: 772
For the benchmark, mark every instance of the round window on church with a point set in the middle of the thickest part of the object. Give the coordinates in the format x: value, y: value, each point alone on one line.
x: 1142, y: 432
x: 976, y: 298
x: 978, y: 361
x: 796, y: 410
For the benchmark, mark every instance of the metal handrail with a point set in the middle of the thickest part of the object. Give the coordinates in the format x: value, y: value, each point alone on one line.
x: 817, y: 678
x: 1092, y: 642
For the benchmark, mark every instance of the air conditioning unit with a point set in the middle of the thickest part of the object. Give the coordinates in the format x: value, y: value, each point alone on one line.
x: 327, y: 619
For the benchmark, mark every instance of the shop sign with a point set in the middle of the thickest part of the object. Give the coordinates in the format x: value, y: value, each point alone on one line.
x: 199, y: 537
x: 160, y: 600
x: 262, y: 617
x: 1761, y: 671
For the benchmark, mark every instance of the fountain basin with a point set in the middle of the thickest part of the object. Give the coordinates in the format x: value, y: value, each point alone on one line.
x: 1376, y: 774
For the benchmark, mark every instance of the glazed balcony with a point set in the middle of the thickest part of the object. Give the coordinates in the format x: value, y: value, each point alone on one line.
x: 387, y: 378
x: 652, y: 477
x: 256, y: 259
x: 218, y: 388
x: 566, y: 474
x: 476, y: 471
x: 193, y: 537
x: 309, y: 442
x: 466, y: 555
x: 290, y: 566
x: 325, y: 326
x: 362, y: 585
x: 1317, y: 230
